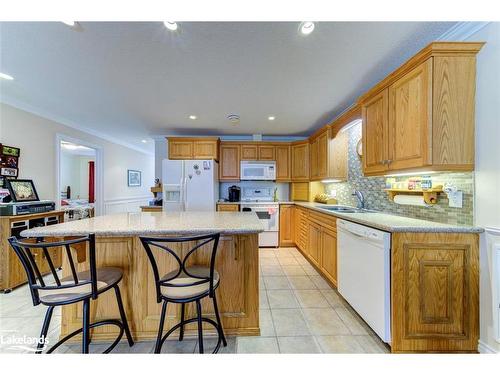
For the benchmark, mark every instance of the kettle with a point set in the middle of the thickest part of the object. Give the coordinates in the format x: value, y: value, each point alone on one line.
x: 234, y: 193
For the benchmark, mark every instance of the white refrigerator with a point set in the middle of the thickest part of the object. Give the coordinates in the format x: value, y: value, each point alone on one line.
x: 190, y: 185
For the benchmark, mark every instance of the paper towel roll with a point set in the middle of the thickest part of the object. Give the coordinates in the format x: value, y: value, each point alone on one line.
x: 414, y: 200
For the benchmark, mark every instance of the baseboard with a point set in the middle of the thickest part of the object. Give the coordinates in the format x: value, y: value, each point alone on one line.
x: 485, y: 348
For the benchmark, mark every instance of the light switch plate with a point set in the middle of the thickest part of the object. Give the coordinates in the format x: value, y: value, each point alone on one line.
x: 455, y: 199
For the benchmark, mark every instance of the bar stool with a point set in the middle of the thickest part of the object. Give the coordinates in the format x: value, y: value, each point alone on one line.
x: 79, y: 287
x: 189, y: 283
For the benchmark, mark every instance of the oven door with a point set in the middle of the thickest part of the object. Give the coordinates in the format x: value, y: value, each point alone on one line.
x: 267, y: 215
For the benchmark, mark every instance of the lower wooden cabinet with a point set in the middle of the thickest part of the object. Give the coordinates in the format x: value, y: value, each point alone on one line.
x: 286, y: 225
x: 314, y: 243
x: 435, y: 292
x: 328, y: 263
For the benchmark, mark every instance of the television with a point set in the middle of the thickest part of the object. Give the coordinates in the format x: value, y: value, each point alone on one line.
x: 22, y: 190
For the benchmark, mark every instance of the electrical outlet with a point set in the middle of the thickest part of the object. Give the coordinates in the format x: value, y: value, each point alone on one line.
x: 455, y: 199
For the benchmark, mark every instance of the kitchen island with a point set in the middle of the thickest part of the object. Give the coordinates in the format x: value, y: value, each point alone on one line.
x: 118, y: 245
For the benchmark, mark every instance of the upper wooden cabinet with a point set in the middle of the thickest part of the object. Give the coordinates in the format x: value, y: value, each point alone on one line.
x: 328, y: 156
x: 283, y: 163
x: 300, y: 161
x: 422, y: 115
x: 266, y: 152
x: 230, y: 156
x: 249, y: 152
x: 182, y: 148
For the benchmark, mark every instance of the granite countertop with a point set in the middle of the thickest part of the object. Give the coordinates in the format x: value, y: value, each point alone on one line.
x: 155, y: 223
x: 393, y: 223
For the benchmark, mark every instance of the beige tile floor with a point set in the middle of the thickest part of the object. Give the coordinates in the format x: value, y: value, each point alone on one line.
x: 299, y: 313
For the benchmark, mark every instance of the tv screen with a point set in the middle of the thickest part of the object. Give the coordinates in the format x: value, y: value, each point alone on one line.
x: 22, y: 190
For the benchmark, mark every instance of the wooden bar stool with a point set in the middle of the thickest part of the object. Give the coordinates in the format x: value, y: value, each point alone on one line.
x: 189, y: 283
x: 79, y: 287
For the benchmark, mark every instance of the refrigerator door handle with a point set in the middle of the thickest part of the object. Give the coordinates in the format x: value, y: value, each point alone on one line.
x: 185, y: 193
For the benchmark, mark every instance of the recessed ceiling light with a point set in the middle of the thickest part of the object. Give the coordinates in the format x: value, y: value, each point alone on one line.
x: 306, y: 27
x: 271, y: 118
x: 69, y: 23
x: 6, y: 76
x: 144, y: 141
x: 193, y: 117
x: 172, y: 26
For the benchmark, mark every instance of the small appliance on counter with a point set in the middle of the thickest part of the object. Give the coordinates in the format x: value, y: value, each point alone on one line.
x: 234, y: 193
x: 24, y: 199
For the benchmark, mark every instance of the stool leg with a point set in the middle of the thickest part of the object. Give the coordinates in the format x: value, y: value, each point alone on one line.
x: 45, y: 329
x: 181, y: 334
x: 200, y: 326
x: 86, y: 326
x: 160, y: 328
x: 219, y: 324
x: 123, y: 316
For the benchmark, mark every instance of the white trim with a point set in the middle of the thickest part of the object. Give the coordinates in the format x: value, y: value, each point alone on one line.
x: 70, y: 124
x: 127, y: 199
x: 99, y: 173
x: 125, y: 204
x: 462, y: 30
x: 484, y: 348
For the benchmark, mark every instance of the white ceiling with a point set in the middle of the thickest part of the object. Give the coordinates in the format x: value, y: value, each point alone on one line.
x: 131, y: 81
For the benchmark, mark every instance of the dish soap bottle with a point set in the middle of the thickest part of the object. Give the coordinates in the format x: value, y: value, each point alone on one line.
x: 275, y: 194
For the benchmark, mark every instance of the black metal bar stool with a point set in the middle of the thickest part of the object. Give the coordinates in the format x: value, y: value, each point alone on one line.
x: 189, y: 283
x: 79, y: 287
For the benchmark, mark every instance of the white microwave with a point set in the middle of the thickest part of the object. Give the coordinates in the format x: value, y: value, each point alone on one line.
x: 258, y: 170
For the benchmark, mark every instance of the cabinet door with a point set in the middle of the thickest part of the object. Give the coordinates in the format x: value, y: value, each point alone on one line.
x: 266, y: 152
x: 322, y: 155
x: 283, y: 163
x: 313, y: 158
x: 286, y: 225
x: 339, y: 156
x: 314, y: 243
x: 375, y: 133
x: 206, y: 150
x: 179, y: 149
x: 410, y: 110
x: 329, y: 254
x: 249, y: 152
x: 300, y: 162
x: 229, y: 167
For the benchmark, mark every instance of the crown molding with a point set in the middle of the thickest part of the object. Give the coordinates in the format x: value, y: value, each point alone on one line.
x: 462, y: 30
x: 70, y: 124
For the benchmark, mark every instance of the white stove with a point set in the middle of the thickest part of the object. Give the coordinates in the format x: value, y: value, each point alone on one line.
x: 261, y: 201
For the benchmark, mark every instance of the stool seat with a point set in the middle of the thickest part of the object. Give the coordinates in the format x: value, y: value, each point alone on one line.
x: 179, y: 292
x: 107, y: 277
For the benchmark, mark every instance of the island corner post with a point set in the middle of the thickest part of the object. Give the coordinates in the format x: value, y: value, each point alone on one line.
x: 237, y: 262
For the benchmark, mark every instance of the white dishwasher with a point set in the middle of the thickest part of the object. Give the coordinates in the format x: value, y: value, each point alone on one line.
x: 364, y: 274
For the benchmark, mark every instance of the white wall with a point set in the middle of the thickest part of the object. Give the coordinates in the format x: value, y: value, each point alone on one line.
x: 36, y: 136
x: 75, y: 173
x: 487, y: 181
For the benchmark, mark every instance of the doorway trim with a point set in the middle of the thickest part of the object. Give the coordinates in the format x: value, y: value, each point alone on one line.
x: 99, y: 175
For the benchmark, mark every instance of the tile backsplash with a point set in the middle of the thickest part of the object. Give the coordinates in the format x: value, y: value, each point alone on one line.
x: 377, y: 199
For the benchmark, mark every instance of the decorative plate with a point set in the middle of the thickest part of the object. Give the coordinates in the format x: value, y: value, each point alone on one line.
x: 359, y: 149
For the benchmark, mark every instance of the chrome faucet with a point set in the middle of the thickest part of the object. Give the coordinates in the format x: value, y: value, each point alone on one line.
x: 361, y: 199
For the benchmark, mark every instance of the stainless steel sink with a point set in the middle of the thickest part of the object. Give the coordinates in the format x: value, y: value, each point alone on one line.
x: 344, y: 209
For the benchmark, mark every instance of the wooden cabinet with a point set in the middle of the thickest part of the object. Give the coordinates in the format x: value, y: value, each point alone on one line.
x: 266, y: 152
x: 183, y: 148
x: 283, y: 163
x: 301, y: 228
x: 375, y: 137
x: 339, y: 156
x: 328, y: 256
x: 435, y: 292
x: 410, y: 118
x: 286, y: 225
x: 12, y: 273
x: 249, y: 152
x: 228, y: 207
x: 229, y: 167
x: 151, y: 208
x: 421, y: 117
x: 300, y: 161
x: 314, y: 242
x: 318, y: 156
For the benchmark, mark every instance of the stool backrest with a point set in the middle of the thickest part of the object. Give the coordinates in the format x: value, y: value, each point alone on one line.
x: 25, y: 251
x: 164, y: 242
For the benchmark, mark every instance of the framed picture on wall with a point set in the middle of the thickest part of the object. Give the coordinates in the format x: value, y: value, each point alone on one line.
x: 134, y: 178
x: 9, y: 172
x: 10, y: 151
